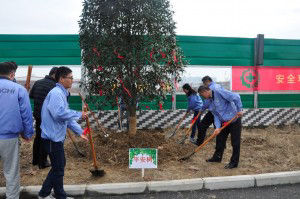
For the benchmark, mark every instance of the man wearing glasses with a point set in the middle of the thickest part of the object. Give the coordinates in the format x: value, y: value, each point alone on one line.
x: 56, y: 118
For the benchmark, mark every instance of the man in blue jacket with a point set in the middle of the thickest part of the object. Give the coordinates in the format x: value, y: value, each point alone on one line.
x: 56, y: 118
x: 15, y: 119
x: 208, y: 118
x: 224, y: 105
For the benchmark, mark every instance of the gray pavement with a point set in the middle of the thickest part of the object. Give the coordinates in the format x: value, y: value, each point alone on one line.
x: 268, y: 185
x: 291, y: 191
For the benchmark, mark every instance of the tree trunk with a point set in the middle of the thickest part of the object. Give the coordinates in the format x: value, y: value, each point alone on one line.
x: 132, y: 121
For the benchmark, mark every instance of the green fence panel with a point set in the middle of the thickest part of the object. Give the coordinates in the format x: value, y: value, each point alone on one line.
x: 281, y: 52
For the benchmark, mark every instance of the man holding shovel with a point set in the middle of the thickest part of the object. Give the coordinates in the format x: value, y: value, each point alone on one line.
x: 224, y: 105
x: 56, y: 118
x: 208, y: 118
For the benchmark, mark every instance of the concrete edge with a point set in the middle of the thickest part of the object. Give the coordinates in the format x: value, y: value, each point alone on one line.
x: 211, y: 183
x: 229, y: 182
x: 175, y: 185
x: 268, y: 179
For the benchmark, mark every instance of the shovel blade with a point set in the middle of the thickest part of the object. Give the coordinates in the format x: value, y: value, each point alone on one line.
x: 182, y: 140
x: 97, y: 172
x: 187, y: 157
x: 170, y: 134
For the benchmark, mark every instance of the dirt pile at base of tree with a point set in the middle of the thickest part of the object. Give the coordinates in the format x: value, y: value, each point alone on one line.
x: 114, y: 149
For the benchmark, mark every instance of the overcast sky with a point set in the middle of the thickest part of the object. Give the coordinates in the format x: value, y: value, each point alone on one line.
x: 231, y: 18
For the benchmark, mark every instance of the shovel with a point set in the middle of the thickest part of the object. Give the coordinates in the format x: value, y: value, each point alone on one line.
x: 187, y: 132
x: 206, y: 141
x: 88, y: 108
x: 73, y: 141
x: 173, y: 132
x: 96, y: 172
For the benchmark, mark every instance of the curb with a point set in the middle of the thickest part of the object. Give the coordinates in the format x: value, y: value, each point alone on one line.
x: 210, y: 183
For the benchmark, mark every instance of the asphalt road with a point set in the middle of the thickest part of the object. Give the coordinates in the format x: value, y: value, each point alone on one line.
x: 270, y: 192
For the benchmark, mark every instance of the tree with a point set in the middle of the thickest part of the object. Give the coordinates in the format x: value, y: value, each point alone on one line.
x: 129, y: 50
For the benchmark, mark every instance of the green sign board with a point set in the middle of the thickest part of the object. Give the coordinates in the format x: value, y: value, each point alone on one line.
x: 142, y: 158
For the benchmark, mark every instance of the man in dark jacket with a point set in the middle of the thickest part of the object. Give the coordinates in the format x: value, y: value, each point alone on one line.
x: 38, y: 93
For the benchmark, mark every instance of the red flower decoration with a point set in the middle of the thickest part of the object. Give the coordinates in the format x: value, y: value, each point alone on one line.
x: 100, y: 68
x: 96, y: 51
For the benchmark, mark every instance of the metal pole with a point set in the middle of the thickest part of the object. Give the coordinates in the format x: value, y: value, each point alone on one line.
x: 174, y: 93
x: 258, y: 61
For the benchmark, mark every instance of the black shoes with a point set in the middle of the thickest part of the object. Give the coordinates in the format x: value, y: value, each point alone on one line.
x: 231, y: 165
x: 43, y: 166
x: 214, y: 159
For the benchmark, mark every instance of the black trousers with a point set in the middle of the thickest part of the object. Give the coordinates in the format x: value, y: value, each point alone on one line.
x: 55, y: 178
x: 234, y: 129
x: 39, y: 153
x: 207, y: 120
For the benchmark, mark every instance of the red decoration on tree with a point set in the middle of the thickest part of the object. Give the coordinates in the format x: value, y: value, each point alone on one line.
x: 100, y: 68
x: 163, y: 55
x: 127, y: 91
x: 100, y: 92
x: 160, y: 106
x: 174, y: 56
x: 151, y: 55
x: 118, y: 55
x: 96, y: 51
x: 136, y: 73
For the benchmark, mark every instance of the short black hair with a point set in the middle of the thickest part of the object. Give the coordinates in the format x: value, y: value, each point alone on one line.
x: 203, y: 88
x: 206, y: 78
x: 7, y: 67
x: 53, y: 71
x: 62, y: 72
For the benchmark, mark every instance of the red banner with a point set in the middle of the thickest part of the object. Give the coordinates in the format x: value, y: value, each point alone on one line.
x: 246, y: 78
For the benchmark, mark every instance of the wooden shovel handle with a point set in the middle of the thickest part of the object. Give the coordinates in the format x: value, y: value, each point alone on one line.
x: 27, y: 84
x: 91, y: 143
x: 181, y: 120
x: 193, y: 122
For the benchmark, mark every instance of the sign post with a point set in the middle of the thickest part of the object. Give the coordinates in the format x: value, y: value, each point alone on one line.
x: 142, y: 158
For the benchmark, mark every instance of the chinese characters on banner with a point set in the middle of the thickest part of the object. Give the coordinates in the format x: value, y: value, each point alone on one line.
x: 267, y: 78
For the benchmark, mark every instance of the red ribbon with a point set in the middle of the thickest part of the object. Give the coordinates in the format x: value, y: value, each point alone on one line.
x: 151, y: 54
x: 160, y: 106
x: 174, y: 56
x: 136, y: 73
x: 86, y: 131
x: 100, y: 91
x: 96, y: 51
x: 172, y: 98
x: 163, y: 55
x: 100, y: 68
x: 127, y: 91
x: 118, y: 55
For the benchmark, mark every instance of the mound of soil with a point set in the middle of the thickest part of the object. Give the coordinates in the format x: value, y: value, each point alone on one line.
x: 113, y: 150
x: 271, y: 149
